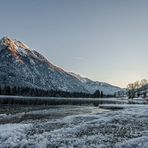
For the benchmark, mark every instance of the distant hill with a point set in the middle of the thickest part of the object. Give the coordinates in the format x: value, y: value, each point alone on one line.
x: 92, y: 86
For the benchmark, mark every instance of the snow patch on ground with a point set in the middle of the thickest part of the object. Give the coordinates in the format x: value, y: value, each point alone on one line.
x: 13, y: 135
x: 140, y: 142
x: 127, y: 128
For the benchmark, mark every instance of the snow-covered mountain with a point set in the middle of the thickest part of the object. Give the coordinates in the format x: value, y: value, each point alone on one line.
x: 22, y: 66
x: 92, y: 86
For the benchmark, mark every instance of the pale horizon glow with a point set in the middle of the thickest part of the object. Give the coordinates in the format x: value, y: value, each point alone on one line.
x: 104, y: 40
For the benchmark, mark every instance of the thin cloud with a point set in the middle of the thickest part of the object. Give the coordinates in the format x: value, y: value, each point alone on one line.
x: 78, y: 58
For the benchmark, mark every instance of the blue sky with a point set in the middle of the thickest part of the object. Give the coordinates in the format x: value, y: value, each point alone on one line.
x: 105, y: 40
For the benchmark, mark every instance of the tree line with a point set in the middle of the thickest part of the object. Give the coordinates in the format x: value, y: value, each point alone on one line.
x: 36, y: 92
x: 138, y: 88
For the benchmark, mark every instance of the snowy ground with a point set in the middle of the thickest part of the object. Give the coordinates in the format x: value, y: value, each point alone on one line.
x: 74, y: 126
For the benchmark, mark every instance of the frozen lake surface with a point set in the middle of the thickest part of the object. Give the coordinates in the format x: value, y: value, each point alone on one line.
x: 68, y: 126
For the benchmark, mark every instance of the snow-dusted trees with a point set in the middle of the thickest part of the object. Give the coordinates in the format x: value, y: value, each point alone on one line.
x: 131, y: 90
x: 143, y: 82
x: 144, y: 87
x: 137, y: 88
